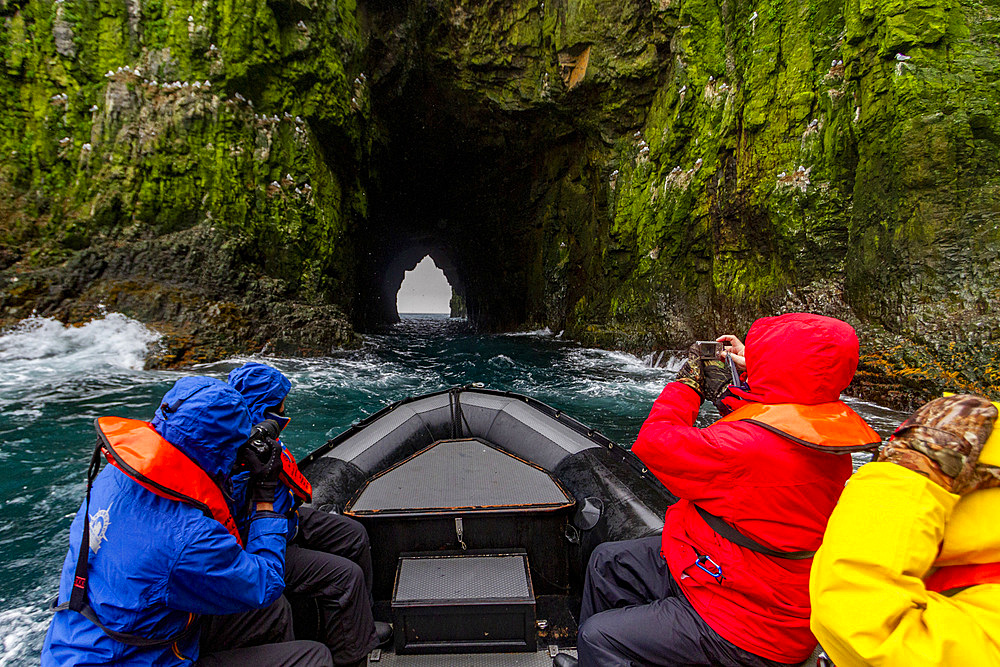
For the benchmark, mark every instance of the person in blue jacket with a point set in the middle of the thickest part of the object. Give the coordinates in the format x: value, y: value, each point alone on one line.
x: 160, y: 548
x: 328, y: 563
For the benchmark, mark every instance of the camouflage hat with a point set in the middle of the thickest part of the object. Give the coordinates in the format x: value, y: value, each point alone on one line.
x: 950, y: 433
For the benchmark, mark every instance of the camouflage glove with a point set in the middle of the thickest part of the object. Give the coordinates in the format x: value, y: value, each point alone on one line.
x: 690, y: 372
x: 715, y: 381
x: 708, y: 377
x: 942, y: 441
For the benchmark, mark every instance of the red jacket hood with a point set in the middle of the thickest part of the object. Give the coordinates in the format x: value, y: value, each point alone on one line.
x: 799, y: 358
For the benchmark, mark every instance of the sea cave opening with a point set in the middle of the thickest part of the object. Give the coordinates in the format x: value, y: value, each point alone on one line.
x: 454, y: 181
x: 425, y: 290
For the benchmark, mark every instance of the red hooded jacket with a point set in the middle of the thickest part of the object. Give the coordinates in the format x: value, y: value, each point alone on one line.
x: 771, y: 488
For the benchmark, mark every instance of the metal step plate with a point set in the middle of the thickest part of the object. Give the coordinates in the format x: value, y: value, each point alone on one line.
x: 459, y: 578
x: 464, y: 603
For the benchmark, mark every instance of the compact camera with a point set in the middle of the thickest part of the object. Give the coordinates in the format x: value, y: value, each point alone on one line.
x: 709, y: 349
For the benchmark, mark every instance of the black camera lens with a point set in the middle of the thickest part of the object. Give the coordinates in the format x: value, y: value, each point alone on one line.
x: 266, y: 429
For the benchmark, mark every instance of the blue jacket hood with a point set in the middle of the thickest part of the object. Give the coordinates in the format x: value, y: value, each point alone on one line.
x: 207, y: 420
x: 262, y: 387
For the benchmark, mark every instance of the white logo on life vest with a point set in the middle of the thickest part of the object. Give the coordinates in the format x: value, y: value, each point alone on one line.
x: 98, y: 527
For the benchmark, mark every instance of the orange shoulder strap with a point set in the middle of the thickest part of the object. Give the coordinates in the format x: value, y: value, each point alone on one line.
x: 293, y: 477
x: 135, y: 448
x: 829, y: 427
x: 950, y: 577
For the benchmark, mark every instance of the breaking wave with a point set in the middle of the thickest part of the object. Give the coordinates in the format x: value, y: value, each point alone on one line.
x: 46, y: 344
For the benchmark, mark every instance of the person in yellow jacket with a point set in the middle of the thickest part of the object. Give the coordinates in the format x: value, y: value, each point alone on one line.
x: 909, y: 570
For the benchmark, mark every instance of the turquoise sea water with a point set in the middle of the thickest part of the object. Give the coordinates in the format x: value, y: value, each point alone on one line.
x: 55, y: 380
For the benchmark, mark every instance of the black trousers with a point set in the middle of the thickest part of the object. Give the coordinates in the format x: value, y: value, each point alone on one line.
x: 258, y: 638
x: 633, y: 613
x: 328, y: 578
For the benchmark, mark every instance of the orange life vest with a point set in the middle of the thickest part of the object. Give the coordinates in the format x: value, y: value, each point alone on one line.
x: 135, y: 448
x: 951, y: 577
x: 829, y: 427
x: 293, y: 477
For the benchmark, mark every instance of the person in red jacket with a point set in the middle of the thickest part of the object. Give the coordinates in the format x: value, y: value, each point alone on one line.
x: 727, y: 583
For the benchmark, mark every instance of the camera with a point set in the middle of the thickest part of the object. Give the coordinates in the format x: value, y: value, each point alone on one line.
x: 261, y: 438
x: 709, y: 349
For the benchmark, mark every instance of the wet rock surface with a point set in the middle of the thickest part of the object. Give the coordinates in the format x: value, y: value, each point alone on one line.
x: 893, y: 371
x: 184, y: 288
x: 638, y: 174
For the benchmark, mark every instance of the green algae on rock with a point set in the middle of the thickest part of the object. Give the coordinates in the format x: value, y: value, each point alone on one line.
x: 135, y: 124
x: 635, y: 173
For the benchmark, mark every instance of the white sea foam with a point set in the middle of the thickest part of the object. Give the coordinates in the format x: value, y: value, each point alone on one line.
x: 22, y: 630
x: 884, y: 420
x: 537, y: 333
x: 331, y: 376
x: 671, y: 360
x: 40, y: 352
x: 616, y: 363
x: 113, y: 340
x: 502, y: 361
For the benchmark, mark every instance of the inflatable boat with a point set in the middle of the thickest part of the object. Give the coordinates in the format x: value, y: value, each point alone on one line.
x: 482, y: 508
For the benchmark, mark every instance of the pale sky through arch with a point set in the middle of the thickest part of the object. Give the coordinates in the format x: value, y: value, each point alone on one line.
x: 424, y: 290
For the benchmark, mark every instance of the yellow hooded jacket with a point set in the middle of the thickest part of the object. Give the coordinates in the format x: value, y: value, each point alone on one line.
x: 870, y: 605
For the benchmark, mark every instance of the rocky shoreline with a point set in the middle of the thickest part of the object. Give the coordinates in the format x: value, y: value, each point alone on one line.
x: 199, y: 327
x: 184, y: 287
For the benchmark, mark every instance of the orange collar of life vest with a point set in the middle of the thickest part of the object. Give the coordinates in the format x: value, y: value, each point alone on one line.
x: 135, y: 448
x: 829, y: 427
x: 293, y: 477
x: 950, y: 577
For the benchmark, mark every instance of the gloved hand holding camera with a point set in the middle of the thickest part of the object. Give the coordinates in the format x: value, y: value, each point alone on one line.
x: 703, y: 372
x: 261, y: 457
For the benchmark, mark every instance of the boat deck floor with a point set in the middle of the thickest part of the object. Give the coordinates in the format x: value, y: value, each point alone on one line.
x: 537, y: 659
x: 560, y: 631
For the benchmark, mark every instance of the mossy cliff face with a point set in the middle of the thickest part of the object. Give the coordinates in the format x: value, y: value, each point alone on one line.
x: 177, y: 151
x: 837, y: 157
x: 638, y: 173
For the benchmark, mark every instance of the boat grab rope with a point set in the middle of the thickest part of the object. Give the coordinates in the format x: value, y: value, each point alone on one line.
x: 457, y: 418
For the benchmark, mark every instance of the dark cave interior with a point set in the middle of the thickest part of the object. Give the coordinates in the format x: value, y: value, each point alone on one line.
x: 454, y: 182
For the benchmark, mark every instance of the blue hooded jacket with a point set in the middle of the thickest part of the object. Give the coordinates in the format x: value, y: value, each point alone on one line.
x: 153, y: 561
x: 263, y: 387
